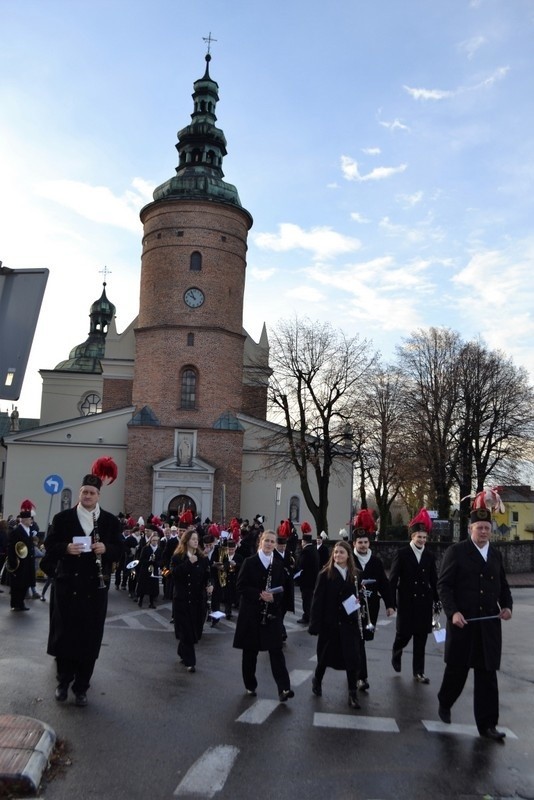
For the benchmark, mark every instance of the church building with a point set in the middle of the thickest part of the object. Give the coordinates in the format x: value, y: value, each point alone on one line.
x: 179, y: 398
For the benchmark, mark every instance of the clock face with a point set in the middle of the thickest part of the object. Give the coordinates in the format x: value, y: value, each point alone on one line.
x: 194, y: 297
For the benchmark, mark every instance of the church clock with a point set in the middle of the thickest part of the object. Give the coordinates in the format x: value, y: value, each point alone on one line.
x: 194, y: 297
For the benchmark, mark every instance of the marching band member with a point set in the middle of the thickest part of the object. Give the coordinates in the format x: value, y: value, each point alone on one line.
x: 259, y: 623
x: 148, y: 570
x: 307, y: 571
x: 20, y: 562
x: 190, y: 573
x: 334, y: 618
x: 374, y: 585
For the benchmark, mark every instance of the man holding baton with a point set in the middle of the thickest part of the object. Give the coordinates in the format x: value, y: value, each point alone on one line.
x: 476, y: 596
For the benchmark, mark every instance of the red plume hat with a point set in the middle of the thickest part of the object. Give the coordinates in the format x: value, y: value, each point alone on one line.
x: 421, y: 522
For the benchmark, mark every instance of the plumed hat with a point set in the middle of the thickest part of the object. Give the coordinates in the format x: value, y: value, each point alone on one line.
x: 306, y: 531
x: 103, y: 471
x: 365, y: 519
x: 186, y: 518
x: 26, y: 509
x: 485, y: 502
x: 421, y: 522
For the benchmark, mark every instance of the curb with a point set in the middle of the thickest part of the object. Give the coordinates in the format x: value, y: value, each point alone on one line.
x: 25, y: 747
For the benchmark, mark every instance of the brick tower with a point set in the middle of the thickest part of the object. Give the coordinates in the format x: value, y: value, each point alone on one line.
x: 184, y: 442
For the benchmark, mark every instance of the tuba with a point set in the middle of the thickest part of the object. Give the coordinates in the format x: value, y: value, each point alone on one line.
x: 21, y: 552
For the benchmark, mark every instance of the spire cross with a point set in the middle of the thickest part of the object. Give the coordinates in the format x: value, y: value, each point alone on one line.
x: 105, y: 272
x: 209, y: 40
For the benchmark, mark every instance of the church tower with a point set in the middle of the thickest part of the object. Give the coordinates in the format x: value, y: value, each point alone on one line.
x: 185, y: 442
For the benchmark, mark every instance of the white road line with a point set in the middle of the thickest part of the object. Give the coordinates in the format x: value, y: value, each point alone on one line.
x: 377, y: 724
x: 298, y: 676
x: 208, y: 774
x: 433, y: 726
x: 259, y: 712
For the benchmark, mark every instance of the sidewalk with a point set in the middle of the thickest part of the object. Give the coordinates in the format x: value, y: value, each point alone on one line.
x: 521, y: 580
x: 25, y: 747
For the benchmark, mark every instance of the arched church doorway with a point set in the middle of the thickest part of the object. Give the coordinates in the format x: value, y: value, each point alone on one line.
x: 179, y: 504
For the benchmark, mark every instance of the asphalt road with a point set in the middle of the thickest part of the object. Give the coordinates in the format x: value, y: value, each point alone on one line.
x: 152, y: 730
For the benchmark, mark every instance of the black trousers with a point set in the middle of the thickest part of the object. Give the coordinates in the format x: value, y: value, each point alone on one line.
x: 419, y: 644
x: 352, y: 676
x: 278, y: 669
x: 186, y: 651
x: 70, y: 670
x: 307, y: 594
x: 18, y: 595
x: 486, y: 693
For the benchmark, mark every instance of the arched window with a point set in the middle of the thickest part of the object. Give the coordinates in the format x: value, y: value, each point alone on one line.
x: 188, y: 395
x: 91, y: 404
x: 195, y: 262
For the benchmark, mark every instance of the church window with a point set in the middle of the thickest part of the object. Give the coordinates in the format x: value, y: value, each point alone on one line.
x: 190, y: 339
x: 91, y: 404
x: 195, y: 262
x: 189, y: 388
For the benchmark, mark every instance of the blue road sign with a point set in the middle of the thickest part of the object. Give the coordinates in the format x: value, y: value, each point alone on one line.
x: 53, y: 484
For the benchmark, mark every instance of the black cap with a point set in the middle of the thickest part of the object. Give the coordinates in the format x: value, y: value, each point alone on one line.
x: 480, y: 515
x: 92, y: 480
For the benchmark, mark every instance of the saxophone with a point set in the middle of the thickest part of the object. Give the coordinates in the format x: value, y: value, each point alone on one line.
x: 98, y: 558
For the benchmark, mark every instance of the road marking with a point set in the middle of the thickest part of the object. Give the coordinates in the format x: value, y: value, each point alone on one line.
x: 208, y: 774
x: 298, y: 676
x: 258, y: 712
x: 433, y: 726
x: 377, y: 724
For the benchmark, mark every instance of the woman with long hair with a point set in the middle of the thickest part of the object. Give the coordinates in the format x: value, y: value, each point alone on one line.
x: 334, y: 617
x: 190, y: 572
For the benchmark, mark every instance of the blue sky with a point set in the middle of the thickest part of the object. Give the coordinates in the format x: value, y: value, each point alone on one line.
x: 384, y: 148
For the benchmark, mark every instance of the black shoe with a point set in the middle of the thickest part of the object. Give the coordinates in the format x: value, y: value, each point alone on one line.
x: 118, y: 588
x: 151, y: 605
x: 43, y: 598
x: 303, y: 621
x: 493, y: 733
x: 214, y: 623
x: 353, y: 700
x: 191, y: 669
x: 20, y: 608
x: 444, y: 714
x: 250, y: 692
x: 80, y: 699
x: 363, y: 685
x: 317, y: 688
x: 420, y: 677
x: 396, y: 662
x: 61, y: 693
x: 286, y: 694
x: 36, y: 596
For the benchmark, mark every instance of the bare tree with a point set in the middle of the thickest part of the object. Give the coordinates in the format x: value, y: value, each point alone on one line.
x: 317, y: 377
x: 429, y: 361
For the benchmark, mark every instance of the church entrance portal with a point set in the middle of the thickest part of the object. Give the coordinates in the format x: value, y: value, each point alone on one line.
x: 181, y: 503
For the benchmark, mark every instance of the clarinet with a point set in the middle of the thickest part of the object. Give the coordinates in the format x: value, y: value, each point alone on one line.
x: 265, y: 612
x: 98, y: 558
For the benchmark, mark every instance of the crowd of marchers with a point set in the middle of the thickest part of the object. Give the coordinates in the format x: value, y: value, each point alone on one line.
x: 210, y: 572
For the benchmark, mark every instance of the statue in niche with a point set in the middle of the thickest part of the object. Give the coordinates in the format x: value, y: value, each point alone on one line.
x: 184, y: 452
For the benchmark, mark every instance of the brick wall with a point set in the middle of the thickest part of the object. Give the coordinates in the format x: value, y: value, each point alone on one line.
x: 117, y: 393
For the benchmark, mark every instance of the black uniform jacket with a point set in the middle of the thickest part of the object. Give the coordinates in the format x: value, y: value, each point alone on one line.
x: 78, y: 605
x: 374, y: 571
x: 259, y: 625
x: 338, y: 644
x: 414, y: 586
x: 148, y: 571
x: 308, y: 566
x: 476, y: 588
x: 189, y: 596
x: 21, y: 571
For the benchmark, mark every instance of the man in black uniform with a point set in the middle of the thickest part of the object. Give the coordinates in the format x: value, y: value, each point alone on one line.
x: 307, y: 570
x: 476, y: 597
x: 83, y: 541
x: 374, y: 585
x: 20, y: 560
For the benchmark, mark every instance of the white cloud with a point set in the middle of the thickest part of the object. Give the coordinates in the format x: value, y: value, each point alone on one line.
x: 261, y: 274
x: 322, y: 242
x: 470, y: 46
x: 443, y: 94
x: 371, y: 151
x: 395, y: 125
x: 410, y: 200
x: 98, y: 203
x: 351, y: 172
x: 306, y: 293
x: 357, y: 217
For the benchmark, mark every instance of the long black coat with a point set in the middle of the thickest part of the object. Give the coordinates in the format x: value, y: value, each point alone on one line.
x: 338, y: 645
x: 250, y: 633
x: 21, y: 571
x: 476, y: 588
x: 189, y: 597
x: 308, y: 566
x: 147, y: 578
x: 77, y: 605
x: 414, y: 590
